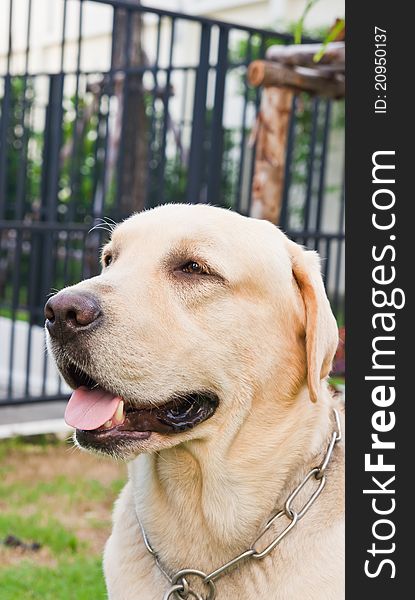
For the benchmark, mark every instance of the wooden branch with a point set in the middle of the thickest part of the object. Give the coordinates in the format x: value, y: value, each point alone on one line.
x: 266, y: 73
x: 302, y: 55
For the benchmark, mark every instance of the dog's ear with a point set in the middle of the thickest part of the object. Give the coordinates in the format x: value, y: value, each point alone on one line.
x: 321, y: 332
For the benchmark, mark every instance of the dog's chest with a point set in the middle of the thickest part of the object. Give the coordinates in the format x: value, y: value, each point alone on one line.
x: 309, y: 564
x: 131, y: 574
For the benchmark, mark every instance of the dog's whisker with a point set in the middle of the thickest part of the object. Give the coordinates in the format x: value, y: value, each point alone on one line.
x: 100, y: 227
x: 158, y: 454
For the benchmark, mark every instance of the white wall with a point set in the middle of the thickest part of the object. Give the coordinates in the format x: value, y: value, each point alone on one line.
x: 257, y: 13
x: 46, y: 27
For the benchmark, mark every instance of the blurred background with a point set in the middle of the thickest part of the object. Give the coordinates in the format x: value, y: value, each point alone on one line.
x: 108, y: 107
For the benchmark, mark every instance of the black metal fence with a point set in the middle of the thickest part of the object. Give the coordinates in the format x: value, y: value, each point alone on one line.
x: 108, y: 108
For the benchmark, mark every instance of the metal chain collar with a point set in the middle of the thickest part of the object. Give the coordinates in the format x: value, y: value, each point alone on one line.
x: 179, y: 587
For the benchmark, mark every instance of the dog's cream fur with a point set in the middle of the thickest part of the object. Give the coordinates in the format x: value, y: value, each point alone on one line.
x: 262, y: 337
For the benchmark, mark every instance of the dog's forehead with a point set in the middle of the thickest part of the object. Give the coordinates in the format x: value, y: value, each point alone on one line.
x: 203, y: 225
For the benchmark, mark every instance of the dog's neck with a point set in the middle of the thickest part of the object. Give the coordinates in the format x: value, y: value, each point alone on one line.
x: 217, y: 493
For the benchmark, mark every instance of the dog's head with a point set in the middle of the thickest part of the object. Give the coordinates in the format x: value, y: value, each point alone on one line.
x: 196, y: 311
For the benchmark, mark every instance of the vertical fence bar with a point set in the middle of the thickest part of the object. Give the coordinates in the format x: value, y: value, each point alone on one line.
x: 36, y: 251
x: 323, y: 161
x: 248, y: 59
x: 16, y: 280
x: 4, y: 118
x: 22, y: 174
x: 107, y: 169
x: 31, y: 286
x: 63, y: 37
x: 75, y: 150
x: 4, y: 124
x: 121, y: 150
x: 310, y: 166
x: 50, y: 188
x: 152, y: 164
x: 216, y: 143
x: 10, y: 36
x: 62, y: 68
x: 22, y: 183
x: 327, y: 259
x: 99, y: 150
x: 336, y: 299
x: 51, y: 156
x: 199, y: 119
x: 127, y: 45
x: 182, y: 120
x: 284, y: 215
x: 166, y: 114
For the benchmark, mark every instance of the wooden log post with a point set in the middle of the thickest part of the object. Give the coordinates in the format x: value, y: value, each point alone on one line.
x: 303, y: 55
x: 271, y: 141
x: 287, y: 70
x: 323, y: 83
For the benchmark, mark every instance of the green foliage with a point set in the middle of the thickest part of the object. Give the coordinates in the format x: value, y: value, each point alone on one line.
x: 23, y: 165
x: 247, y: 49
x: 327, y: 36
x: 330, y: 37
x: 175, y: 180
x: 78, y: 167
x: 299, y: 26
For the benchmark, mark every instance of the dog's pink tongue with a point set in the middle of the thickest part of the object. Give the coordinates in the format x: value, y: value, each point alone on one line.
x: 89, y: 409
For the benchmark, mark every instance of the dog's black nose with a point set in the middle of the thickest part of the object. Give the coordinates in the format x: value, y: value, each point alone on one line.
x: 68, y: 313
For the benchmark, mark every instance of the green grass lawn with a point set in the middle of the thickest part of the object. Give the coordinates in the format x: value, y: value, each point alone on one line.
x: 61, y: 499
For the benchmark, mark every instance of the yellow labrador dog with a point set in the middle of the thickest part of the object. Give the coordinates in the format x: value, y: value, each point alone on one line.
x: 200, y: 354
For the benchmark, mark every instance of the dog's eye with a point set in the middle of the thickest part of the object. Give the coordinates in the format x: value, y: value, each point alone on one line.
x: 107, y: 260
x: 193, y: 267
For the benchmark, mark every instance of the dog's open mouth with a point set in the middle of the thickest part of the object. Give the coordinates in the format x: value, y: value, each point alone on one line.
x: 99, y: 416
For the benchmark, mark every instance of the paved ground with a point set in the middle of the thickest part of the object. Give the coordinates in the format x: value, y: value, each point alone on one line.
x: 33, y: 419
x: 31, y: 412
